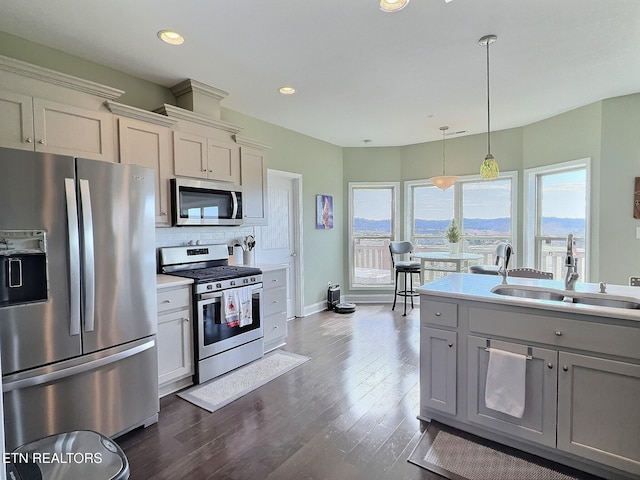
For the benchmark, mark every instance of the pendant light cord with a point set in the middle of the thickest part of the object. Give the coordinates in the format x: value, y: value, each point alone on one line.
x: 488, y: 106
x: 443, y: 152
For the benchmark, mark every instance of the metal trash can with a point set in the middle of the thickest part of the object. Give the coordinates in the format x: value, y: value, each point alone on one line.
x: 81, y: 454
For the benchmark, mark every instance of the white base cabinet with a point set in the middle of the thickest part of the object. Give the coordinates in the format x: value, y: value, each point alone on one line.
x: 274, y: 297
x: 598, y: 414
x: 175, y: 343
x: 582, y: 381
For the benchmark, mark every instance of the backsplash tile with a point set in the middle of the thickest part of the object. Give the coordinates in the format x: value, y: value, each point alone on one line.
x: 177, y: 236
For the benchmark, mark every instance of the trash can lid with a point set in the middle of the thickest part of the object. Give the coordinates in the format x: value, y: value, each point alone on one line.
x: 79, y: 454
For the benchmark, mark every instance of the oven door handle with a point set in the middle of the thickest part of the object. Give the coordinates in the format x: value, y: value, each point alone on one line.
x: 209, y: 296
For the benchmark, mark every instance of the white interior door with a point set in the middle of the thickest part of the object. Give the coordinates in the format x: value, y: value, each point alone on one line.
x: 280, y: 241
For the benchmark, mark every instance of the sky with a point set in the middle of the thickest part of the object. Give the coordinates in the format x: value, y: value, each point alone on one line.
x: 563, y: 196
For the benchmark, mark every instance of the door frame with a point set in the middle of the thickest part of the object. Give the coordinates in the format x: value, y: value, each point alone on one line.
x: 296, y: 241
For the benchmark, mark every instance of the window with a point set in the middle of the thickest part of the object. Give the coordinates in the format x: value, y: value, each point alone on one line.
x: 559, y: 197
x: 484, y: 209
x: 373, y: 223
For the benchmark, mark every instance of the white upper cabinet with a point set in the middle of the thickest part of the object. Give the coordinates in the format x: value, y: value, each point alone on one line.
x: 253, y: 177
x: 47, y: 111
x: 144, y: 139
x: 30, y: 123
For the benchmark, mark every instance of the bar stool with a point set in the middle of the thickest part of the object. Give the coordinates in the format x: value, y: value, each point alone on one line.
x: 405, y: 267
x: 503, y: 253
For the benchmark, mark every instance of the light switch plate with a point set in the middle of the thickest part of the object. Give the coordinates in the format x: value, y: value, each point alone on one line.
x: 634, y: 281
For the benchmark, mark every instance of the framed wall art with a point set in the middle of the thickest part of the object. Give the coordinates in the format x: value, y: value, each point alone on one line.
x: 324, y: 211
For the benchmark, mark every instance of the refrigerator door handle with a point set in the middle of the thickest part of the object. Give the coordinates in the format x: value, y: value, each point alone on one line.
x: 76, y: 369
x: 87, y: 257
x: 74, y: 256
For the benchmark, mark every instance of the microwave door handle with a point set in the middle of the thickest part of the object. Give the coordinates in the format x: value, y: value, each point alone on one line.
x: 87, y: 257
x: 235, y: 205
x: 74, y: 256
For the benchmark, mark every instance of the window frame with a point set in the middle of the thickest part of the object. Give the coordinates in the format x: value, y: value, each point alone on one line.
x: 457, y: 201
x: 531, y: 203
x: 395, y: 228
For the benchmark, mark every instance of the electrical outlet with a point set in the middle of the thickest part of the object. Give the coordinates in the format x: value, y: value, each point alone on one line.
x: 634, y: 281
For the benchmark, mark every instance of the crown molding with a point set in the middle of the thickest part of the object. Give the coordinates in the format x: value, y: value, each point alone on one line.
x: 56, y: 78
x: 182, y: 114
x: 190, y: 85
x: 247, y: 142
x: 139, y: 114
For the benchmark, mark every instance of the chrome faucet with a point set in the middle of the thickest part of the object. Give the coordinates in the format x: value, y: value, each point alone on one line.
x: 503, y: 271
x: 571, y: 262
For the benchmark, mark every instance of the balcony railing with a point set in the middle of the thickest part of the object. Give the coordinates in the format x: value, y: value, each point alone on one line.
x: 372, y: 261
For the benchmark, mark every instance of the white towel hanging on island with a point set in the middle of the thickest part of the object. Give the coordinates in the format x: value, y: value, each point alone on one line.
x: 505, y: 386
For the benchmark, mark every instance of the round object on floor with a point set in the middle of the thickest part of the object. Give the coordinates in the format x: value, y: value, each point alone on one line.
x: 344, y: 307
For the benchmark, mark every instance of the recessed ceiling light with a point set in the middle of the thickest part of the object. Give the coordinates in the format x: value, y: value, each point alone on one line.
x: 393, y: 5
x: 171, y: 37
x: 287, y: 90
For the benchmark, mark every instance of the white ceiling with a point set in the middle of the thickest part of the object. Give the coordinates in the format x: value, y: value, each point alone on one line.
x: 360, y: 73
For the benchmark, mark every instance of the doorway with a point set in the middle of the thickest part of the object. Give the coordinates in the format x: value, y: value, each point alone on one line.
x: 280, y: 241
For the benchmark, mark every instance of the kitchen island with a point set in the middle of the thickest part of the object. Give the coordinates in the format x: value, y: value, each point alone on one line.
x: 582, y: 379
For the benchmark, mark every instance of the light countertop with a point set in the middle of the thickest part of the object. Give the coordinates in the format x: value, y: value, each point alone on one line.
x: 167, y: 281
x: 266, y: 267
x: 467, y: 286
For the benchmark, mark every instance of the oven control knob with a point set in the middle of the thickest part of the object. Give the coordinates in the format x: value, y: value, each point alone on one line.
x: 245, y: 281
x: 209, y: 287
x: 232, y: 282
x: 218, y: 285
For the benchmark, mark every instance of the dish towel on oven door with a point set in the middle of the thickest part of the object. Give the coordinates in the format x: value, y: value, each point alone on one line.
x: 246, y: 314
x: 231, y: 300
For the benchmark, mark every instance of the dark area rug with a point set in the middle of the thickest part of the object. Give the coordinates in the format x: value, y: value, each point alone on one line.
x: 457, y: 455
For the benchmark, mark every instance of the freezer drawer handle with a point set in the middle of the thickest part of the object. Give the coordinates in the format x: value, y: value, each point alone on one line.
x: 19, y: 264
x: 74, y: 256
x: 76, y: 369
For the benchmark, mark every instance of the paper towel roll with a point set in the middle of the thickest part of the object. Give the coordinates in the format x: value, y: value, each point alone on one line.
x: 236, y: 258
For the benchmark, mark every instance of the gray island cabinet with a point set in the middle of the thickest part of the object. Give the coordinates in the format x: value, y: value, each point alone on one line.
x: 582, y: 378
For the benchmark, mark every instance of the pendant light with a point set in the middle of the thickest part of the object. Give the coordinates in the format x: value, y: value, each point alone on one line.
x: 489, y: 168
x: 443, y: 181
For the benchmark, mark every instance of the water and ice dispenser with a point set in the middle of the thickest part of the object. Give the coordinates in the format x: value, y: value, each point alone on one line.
x: 23, y: 267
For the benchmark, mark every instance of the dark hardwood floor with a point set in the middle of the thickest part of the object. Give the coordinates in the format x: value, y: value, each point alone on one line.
x: 348, y: 413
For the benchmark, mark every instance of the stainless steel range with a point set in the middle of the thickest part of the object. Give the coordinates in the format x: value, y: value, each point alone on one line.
x: 221, y: 342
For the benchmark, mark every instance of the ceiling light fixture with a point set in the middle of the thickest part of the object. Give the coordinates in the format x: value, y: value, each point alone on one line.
x: 393, y: 5
x: 489, y: 168
x: 443, y: 181
x: 287, y: 90
x: 171, y: 37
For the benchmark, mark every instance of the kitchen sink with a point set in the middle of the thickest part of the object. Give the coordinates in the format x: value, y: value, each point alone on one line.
x: 520, y: 292
x: 607, y: 302
x: 600, y: 300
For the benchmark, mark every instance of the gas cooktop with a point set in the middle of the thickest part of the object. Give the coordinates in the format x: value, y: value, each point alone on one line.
x: 218, y: 273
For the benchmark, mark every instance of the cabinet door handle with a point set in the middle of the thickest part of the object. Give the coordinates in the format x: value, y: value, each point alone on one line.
x: 450, y: 345
x: 166, y: 301
x: 565, y: 368
x: 438, y: 314
x: 29, y: 140
x: 275, y: 301
x: 41, y: 141
x: 550, y: 365
x: 558, y: 333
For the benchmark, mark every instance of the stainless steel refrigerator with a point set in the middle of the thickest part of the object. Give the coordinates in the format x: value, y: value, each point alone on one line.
x: 77, y: 296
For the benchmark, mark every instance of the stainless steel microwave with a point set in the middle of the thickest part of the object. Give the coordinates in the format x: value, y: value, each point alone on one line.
x: 202, y: 202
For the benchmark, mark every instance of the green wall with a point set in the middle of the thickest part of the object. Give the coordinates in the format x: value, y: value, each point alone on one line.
x: 320, y: 165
